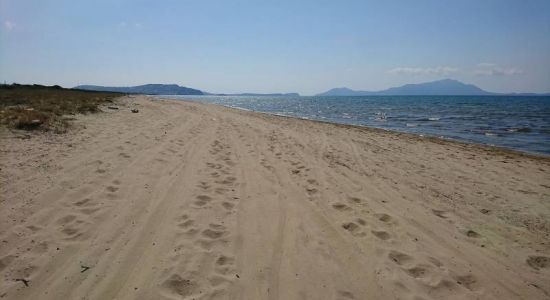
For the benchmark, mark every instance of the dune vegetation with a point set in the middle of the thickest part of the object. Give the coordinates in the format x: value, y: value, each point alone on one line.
x: 38, y: 107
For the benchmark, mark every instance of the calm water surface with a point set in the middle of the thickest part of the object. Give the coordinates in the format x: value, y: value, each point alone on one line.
x: 521, y: 123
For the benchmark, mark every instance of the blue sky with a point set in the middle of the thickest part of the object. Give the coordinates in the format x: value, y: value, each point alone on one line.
x: 277, y: 46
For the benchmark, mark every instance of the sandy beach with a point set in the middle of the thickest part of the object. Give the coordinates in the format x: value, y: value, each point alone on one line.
x: 194, y: 201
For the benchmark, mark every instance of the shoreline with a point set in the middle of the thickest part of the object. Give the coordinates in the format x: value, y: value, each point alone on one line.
x: 436, y: 139
x: 191, y: 200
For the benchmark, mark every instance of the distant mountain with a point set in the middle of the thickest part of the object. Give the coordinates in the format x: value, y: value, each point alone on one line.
x: 256, y: 94
x: 148, y: 89
x: 439, y: 87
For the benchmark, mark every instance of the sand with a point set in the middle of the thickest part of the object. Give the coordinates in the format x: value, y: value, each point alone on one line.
x: 193, y: 201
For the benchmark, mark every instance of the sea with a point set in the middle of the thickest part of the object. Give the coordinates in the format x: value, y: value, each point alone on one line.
x: 515, y: 122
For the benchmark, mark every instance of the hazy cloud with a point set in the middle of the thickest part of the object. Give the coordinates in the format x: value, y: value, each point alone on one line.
x: 9, y: 25
x: 136, y: 26
x: 490, y: 69
x: 440, y: 70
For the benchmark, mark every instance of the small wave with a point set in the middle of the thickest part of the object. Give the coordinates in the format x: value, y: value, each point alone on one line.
x: 519, y: 129
x: 346, y: 116
x: 411, y: 125
x: 491, y: 134
x: 239, y: 108
x: 429, y: 119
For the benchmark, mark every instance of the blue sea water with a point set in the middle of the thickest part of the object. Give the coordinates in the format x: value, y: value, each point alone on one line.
x: 515, y: 122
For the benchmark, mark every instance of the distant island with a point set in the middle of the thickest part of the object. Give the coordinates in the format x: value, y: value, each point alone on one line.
x: 447, y: 87
x: 256, y: 94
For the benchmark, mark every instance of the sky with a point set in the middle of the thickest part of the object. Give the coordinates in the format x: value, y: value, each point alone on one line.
x: 277, y: 46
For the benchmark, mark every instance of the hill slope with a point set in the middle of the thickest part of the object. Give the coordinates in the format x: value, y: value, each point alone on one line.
x: 148, y: 89
x: 439, y: 87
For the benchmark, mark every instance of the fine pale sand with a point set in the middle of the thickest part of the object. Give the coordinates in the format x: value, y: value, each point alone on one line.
x: 193, y: 201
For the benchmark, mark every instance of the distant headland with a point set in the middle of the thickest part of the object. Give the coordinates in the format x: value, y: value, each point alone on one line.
x: 447, y: 87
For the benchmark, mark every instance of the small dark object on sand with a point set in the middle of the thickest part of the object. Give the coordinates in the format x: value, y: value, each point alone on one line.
x: 84, y: 269
x: 112, y: 107
x: 484, y: 211
x: 135, y: 110
x: 25, y: 281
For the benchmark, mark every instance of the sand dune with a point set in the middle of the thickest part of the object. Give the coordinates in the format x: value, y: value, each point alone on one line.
x: 193, y: 201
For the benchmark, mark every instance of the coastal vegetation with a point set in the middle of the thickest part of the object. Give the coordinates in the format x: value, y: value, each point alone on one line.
x: 48, y: 108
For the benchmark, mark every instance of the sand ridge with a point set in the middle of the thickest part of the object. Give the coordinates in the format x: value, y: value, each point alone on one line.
x: 193, y: 201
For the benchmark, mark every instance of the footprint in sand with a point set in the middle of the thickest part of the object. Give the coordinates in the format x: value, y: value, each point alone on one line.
x: 345, y: 295
x: 111, y: 189
x: 384, y: 217
x: 34, y: 228
x: 6, y: 261
x: 224, y: 264
x: 472, y: 234
x: 361, y: 221
x: 71, y: 232
x: 381, y: 235
x: 341, y: 207
x: 124, y: 155
x: 83, y: 202
x: 440, y: 213
x: 224, y: 260
x: 203, y: 185
x: 228, y: 180
x: 468, y: 281
x: 355, y: 200
x: 399, y: 257
x: 212, y: 234
x: 311, y: 191
x: 175, y: 284
x: 89, y: 211
x: 435, y: 261
x: 202, y: 200
x: 227, y: 205
x: 312, y: 181
x: 40, y: 248
x: 66, y: 219
x: 186, y: 224
x: 353, y: 228
x: 538, y: 262
x: 419, y: 271
x: 218, y: 280
x: 221, y: 190
x: 216, y: 226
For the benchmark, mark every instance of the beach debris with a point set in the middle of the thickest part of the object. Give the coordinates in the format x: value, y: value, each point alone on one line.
x: 112, y: 107
x: 484, y: 211
x: 135, y: 110
x: 25, y: 281
x: 84, y: 269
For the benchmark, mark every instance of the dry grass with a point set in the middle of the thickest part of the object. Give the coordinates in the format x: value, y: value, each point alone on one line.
x: 32, y: 107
